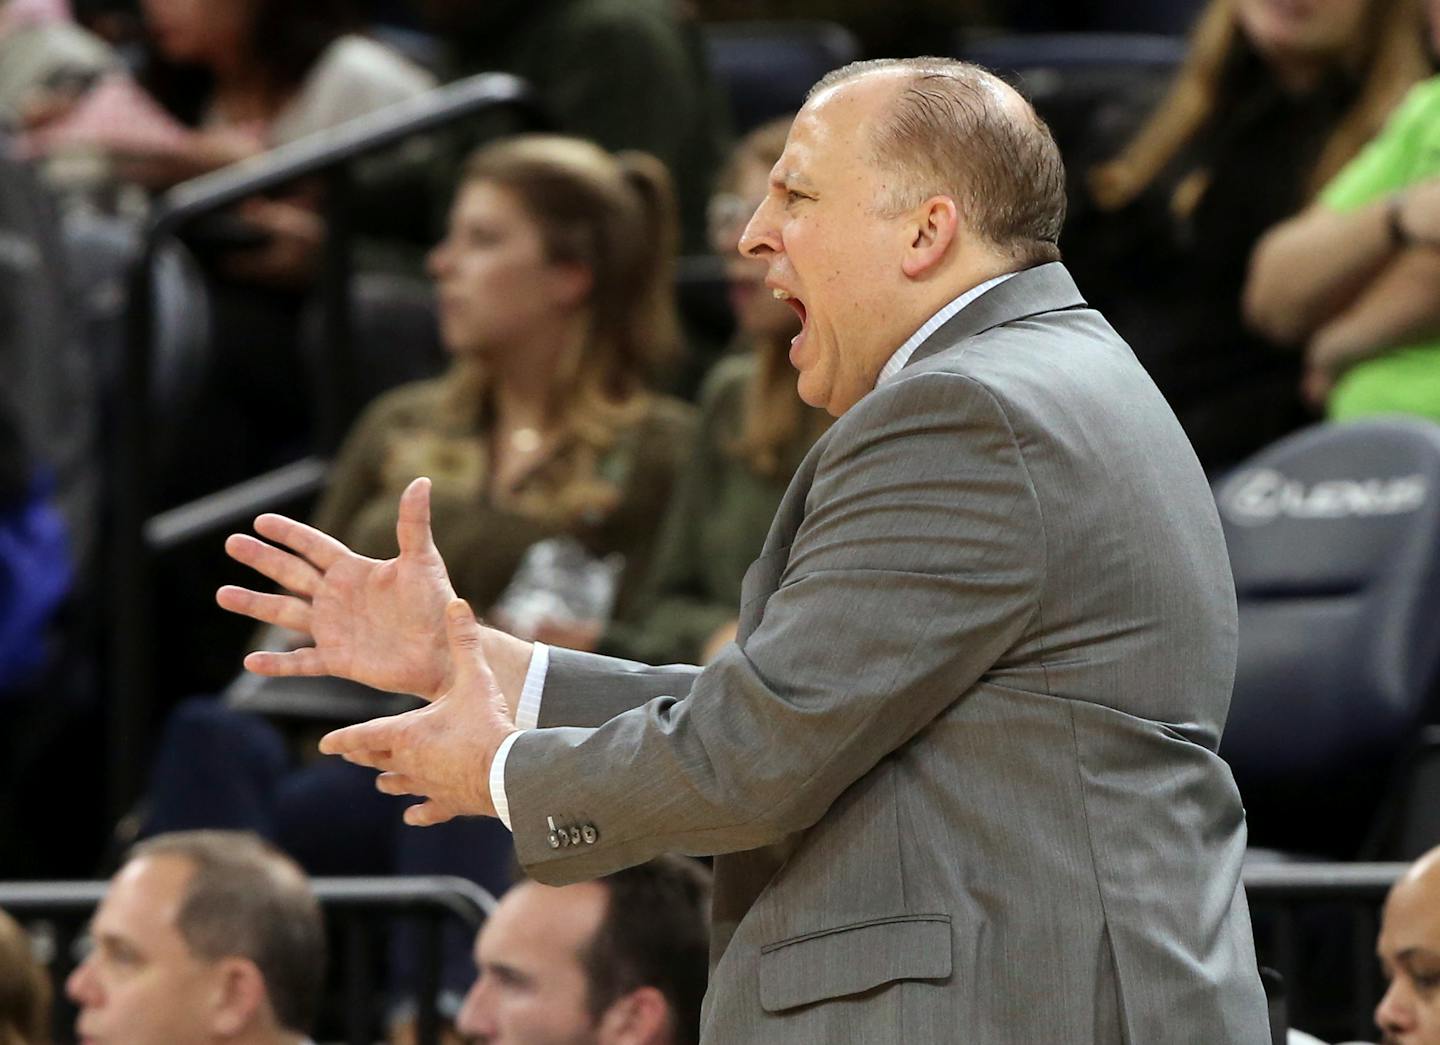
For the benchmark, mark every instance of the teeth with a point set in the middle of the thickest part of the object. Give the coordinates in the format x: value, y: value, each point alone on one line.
x: 781, y: 295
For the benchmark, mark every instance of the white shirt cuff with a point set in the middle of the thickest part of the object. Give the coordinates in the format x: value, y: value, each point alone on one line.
x: 527, y: 716
x: 497, y: 779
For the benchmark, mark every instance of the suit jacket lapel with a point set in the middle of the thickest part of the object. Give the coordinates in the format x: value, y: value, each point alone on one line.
x: 1045, y: 288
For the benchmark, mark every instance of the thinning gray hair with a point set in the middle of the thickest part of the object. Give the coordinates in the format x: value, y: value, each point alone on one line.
x: 248, y: 899
x: 952, y: 131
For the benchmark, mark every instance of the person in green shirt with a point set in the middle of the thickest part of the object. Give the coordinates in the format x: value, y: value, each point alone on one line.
x: 1355, y: 278
x: 754, y: 431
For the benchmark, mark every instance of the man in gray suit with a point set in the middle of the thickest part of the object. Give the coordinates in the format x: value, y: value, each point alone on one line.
x: 958, y: 771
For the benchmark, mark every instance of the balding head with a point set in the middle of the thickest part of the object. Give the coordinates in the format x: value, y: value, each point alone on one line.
x: 1409, y: 950
x: 953, y: 129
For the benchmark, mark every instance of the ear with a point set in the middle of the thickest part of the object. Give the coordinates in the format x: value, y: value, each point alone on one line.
x: 932, y: 231
x: 641, y: 1017
x: 574, y: 280
x: 240, y: 996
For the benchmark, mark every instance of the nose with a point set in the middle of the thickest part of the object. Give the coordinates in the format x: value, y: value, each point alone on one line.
x: 1396, y: 1012
x: 438, y: 259
x: 80, y: 986
x: 476, y: 1018
x: 761, y: 237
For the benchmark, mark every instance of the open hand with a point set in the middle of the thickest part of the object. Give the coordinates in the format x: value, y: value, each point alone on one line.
x: 380, y: 623
x: 442, y: 752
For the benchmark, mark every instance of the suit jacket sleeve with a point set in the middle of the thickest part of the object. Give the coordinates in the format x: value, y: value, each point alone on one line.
x: 586, y: 689
x: 917, y: 565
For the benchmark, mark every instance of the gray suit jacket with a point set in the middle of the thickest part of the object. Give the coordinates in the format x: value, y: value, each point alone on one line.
x: 959, y: 770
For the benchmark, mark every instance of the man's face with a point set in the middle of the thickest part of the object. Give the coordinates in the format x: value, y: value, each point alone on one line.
x: 829, y: 247
x: 141, y: 985
x: 1409, y: 950
x: 532, y: 988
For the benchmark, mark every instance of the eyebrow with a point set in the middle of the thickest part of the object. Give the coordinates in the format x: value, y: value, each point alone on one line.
x: 1417, y: 952
x: 506, y: 971
x: 790, y: 177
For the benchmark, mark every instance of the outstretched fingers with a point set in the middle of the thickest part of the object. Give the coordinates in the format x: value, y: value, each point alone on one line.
x: 287, y: 611
x: 399, y: 784
x: 314, y: 545
x: 284, y: 568
x: 428, y: 813
x: 306, y: 661
x: 412, y: 530
x: 370, y: 743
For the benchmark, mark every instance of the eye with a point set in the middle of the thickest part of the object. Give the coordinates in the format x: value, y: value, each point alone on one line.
x: 791, y: 196
x: 1427, y: 982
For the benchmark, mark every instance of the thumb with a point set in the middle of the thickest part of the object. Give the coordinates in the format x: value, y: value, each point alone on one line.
x: 463, y: 632
x: 412, y: 530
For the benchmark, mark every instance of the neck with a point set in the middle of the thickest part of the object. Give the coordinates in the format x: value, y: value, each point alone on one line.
x: 966, y: 274
x: 1297, y: 76
x: 523, y: 375
x: 241, y: 91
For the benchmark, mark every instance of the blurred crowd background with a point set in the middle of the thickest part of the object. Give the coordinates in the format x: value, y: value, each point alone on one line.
x: 263, y: 256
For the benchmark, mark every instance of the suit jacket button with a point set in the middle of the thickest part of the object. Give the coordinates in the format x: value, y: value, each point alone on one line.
x: 589, y: 833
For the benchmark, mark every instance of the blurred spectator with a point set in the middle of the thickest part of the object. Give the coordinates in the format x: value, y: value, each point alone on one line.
x: 554, y: 294
x: 206, y: 936
x: 553, y: 289
x: 1409, y: 950
x: 1355, y: 279
x: 627, y: 74
x: 44, y: 54
x: 1272, y: 100
x: 621, y: 959
x: 754, y: 430
x: 24, y: 989
x: 252, y: 74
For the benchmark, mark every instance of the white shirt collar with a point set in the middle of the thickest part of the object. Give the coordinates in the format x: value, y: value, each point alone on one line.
x: 902, y: 354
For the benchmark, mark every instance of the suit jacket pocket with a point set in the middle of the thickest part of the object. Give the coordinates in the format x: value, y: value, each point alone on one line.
x: 852, y: 958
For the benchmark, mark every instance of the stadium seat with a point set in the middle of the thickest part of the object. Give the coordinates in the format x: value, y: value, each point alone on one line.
x: 1334, y: 538
x: 766, y: 67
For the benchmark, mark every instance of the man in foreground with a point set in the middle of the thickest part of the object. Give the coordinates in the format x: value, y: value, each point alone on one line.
x: 203, y: 936
x: 617, y: 961
x: 958, y: 769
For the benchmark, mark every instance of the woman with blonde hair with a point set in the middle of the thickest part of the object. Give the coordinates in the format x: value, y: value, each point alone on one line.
x: 554, y: 292
x: 24, y: 989
x: 754, y: 430
x: 1272, y: 99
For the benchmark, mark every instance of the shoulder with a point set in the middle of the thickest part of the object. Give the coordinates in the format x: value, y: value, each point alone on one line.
x: 634, y: 29
x: 360, y: 59
x: 666, y: 417
x: 1420, y: 106
x: 641, y: 17
x: 1033, y: 376
x: 724, y: 386
x: 418, y: 401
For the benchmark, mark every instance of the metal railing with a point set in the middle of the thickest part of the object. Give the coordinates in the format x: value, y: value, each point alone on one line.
x: 358, y: 913
x: 135, y: 537
x: 1316, y: 924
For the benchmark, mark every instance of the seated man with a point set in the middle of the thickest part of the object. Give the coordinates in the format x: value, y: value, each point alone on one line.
x: 619, y: 959
x: 203, y: 936
x: 1409, y: 950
